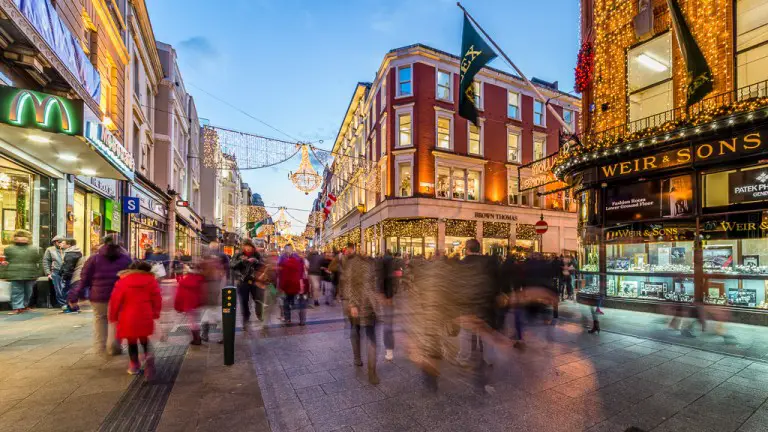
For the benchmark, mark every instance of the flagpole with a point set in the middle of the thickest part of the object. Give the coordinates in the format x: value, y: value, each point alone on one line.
x: 519, y: 72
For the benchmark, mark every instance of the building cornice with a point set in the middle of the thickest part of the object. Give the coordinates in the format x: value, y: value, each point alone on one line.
x: 112, y: 31
x: 460, y: 158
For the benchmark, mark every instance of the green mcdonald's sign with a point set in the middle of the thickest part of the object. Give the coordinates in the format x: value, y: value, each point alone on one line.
x: 43, y: 111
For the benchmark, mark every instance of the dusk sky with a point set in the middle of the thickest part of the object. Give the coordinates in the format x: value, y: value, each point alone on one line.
x: 294, y: 63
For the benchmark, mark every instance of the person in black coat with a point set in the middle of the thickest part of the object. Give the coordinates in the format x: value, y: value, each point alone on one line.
x: 245, y: 265
x: 72, y: 255
x: 387, y: 280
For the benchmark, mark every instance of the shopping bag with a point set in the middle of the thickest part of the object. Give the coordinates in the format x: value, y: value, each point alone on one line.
x: 158, y: 269
x: 5, y: 291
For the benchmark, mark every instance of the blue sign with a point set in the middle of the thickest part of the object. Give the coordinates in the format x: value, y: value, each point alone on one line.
x: 130, y: 204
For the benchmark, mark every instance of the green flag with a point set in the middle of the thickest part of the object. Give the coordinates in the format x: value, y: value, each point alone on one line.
x: 475, y: 53
x: 699, y: 74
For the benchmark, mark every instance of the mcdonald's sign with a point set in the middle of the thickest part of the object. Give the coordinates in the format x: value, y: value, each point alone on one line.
x: 32, y: 109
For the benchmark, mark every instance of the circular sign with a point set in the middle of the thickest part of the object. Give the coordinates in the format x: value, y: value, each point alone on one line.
x: 541, y: 227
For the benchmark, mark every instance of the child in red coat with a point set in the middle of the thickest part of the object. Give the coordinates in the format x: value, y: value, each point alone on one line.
x: 191, y: 296
x: 135, y: 305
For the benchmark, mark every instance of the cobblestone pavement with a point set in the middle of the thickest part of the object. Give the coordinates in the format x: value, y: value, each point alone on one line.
x: 302, y: 379
x: 577, y: 381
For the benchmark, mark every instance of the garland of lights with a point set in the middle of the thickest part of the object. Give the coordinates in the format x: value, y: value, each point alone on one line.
x: 585, y: 67
x: 526, y: 232
x: 410, y: 228
x: 497, y: 230
x: 603, y: 145
x: 253, y: 213
x: 460, y: 228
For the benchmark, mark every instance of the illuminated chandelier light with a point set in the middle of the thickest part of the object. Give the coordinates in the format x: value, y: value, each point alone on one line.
x: 281, y: 221
x: 306, y: 179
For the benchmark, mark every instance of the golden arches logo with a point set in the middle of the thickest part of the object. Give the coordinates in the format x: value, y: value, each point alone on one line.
x: 43, y: 109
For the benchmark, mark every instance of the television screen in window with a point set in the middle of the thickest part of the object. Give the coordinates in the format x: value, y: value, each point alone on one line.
x: 670, y: 197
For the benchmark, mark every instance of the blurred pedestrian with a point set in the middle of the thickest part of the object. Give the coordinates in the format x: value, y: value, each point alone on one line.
x: 191, y: 296
x: 244, y: 265
x: 99, y: 275
x: 315, y: 274
x: 357, y: 289
x: 22, y: 267
x: 326, y: 284
x: 387, y: 284
x: 72, y: 257
x: 291, y: 281
x: 135, y: 305
x: 52, y: 260
x: 567, y: 276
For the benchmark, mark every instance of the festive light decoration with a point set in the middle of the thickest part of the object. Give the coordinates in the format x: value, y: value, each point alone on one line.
x: 5, y: 181
x: 497, y: 230
x: 281, y: 221
x: 253, y: 213
x: 526, y: 232
x: 460, y: 228
x: 309, y: 232
x: 306, y: 179
x: 410, y: 228
x: 585, y: 67
x: 248, y: 150
x: 316, y: 219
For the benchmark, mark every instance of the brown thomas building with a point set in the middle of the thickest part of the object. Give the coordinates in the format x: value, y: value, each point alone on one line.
x: 672, y: 198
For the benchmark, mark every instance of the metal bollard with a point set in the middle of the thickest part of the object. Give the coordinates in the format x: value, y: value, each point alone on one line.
x: 228, y: 319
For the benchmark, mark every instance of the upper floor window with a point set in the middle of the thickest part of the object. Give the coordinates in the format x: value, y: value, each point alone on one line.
x: 404, y: 187
x: 474, y: 145
x: 136, y: 75
x: 513, y: 191
x: 478, y: 88
x: 538, y: 113
x: 751, y: 47
x: 568, y: 118
x: 383, y: 92
x: 444, y: 129
x: 444, y: 85
x: 404, y: 125
x: 539, y: 148
x: 649, y: 69
x: 513, y: 105
x: 404, y: 81
x: 513, y: 146
x: 384, y: 137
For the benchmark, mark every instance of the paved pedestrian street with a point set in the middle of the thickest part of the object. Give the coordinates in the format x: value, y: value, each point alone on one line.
x: 303, y: 379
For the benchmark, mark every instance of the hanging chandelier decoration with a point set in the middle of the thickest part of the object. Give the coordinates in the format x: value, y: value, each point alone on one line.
x: 282, y: 223
x: 306, y: 179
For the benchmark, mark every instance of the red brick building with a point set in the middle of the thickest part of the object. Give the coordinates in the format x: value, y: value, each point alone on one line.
x: 442, y: 180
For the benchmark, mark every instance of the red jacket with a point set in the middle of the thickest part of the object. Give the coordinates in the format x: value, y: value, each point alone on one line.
x: 190, y: 294
x: 135, y: 304
x: 291, y: 273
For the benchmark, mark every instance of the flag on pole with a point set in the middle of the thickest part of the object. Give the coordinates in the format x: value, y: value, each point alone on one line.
x: 699, y: 74
x: 475, y: 53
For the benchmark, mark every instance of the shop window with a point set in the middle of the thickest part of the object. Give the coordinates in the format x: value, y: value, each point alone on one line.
x: 539, y: 116
x: 741, y: 186
x: 473, y: 185
x: 443, y: 183
x: 539, y: 148
x: 404, y: 188
x: 459, y: 184
x: 751, y: 47
x: 404, y: 80
x: 475, y: 146
x: 444, y: 85
x: 404, y: 130
x: 513, y: 146
x: 16, y: 201
x: 444, y: 132
x: 513, y: 105
x: 649, y: 69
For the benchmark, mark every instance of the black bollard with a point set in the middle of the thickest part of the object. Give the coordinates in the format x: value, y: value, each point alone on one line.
x: 228, y: 318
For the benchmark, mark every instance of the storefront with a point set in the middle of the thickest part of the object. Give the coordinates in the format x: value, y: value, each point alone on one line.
x: 95, y: 211
x: 680, y: 224
x: 149, y: 227
x: 188, y: 231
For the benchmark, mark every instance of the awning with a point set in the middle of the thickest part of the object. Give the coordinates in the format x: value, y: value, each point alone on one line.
x: 59, y: 133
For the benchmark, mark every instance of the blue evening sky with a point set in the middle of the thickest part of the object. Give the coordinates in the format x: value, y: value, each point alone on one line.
x: 294, y: 63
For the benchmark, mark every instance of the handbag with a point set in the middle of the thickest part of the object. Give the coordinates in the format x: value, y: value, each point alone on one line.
x: 5, y: 291
x: 158, y: 269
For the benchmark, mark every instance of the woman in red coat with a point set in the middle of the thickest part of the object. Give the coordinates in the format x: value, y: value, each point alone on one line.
x: 191, y: 296
x: 135, y: 305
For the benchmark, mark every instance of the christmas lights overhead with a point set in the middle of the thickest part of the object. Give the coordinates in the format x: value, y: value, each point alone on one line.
x: 305, y: 178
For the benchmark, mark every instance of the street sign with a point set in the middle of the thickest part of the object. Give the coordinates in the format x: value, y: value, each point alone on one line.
x: 130, y: 204
x: 541, y: 227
